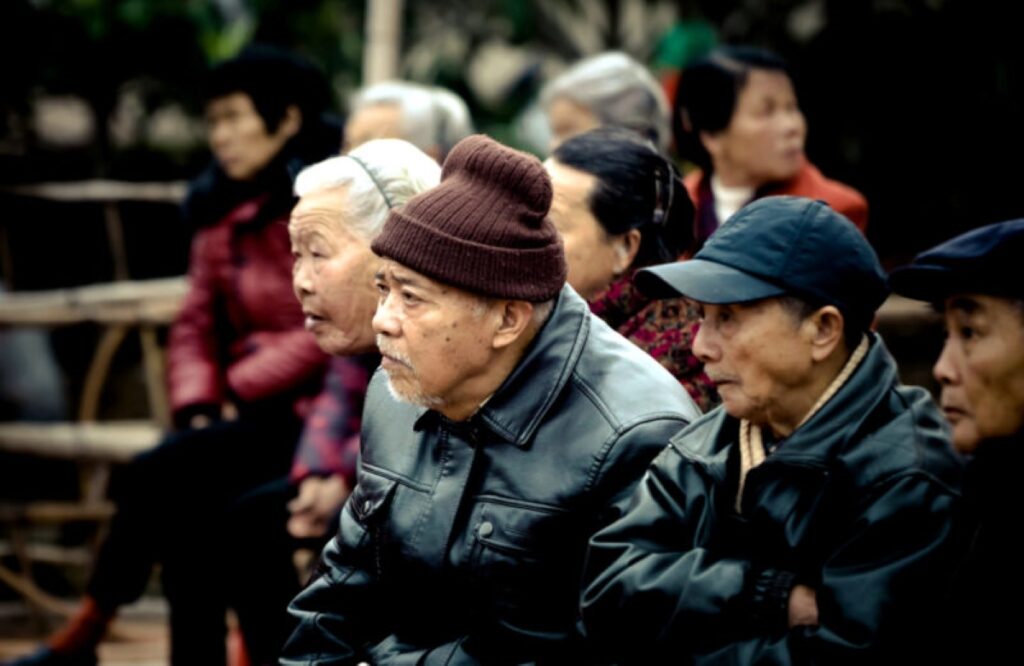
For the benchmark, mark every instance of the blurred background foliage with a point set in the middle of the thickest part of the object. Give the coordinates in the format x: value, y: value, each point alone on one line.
x: 915, y: 102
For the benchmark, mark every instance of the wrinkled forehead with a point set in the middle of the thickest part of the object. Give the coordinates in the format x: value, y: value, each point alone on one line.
x: 305, y: 227
x: 972, y: 303
x: 394, y: 273
x: 321, y: 212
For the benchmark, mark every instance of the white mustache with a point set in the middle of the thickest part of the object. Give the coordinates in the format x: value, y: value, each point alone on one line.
x: 392, y: 353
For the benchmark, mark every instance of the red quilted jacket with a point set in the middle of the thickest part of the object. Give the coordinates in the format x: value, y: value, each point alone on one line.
x: 240, y: 334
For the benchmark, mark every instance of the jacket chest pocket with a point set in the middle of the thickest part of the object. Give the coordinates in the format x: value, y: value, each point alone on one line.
x: 370, y: 498
x: 521, y: 554
x: 369, y: 505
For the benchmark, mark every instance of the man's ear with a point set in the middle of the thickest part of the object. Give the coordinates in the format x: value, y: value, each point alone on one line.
x: 291, y: 122
x: 515, y: 319
x: 826, y: 331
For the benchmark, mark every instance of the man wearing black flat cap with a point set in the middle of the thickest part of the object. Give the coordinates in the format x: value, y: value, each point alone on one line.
x: 975, y: 279
x: 808, y: 519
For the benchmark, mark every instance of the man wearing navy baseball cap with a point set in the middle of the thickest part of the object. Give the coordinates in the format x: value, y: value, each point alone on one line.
x: 975, y: 279
x: 807, y: 519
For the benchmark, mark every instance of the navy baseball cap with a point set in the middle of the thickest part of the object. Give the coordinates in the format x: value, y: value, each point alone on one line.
x: 777, y: 246
x: 987, y: 260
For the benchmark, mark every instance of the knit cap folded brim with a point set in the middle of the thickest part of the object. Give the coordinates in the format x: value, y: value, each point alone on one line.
x: 485, y: 228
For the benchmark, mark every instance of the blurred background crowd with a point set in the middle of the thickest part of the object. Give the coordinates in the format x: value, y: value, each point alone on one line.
x: 912, y: 103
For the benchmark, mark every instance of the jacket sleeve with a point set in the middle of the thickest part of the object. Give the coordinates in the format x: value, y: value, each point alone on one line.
x: 330, y: 438
x: 650, y: 587
x: 876, y: 589
x: 341, y: 612
x: 654, y: 589
x: 194, y: 372
x: 277, y: 362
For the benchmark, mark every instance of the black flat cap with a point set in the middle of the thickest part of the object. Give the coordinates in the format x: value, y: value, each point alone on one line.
x: 988, y: 260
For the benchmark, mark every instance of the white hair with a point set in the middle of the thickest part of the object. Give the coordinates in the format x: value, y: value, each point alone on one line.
x: 455, y: 123
x: 619, y: 91
x: 380, y: 175
x: 430, y: 116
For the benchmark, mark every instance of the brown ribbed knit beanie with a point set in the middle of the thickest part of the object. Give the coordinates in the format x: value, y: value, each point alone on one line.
x: 484, y: 228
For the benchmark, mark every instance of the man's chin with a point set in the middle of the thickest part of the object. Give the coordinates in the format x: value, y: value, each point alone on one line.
x: 401, y: 391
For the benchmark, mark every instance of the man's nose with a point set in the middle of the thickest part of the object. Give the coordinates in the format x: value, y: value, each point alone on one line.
x: 385, y: 320
x: 945, y: 370
x: 703, y: 347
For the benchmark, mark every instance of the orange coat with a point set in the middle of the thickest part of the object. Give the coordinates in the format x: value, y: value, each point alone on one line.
x: 809, y: 182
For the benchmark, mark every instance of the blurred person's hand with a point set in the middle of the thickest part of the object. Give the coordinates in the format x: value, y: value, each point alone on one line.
x: 318, y: 501
x: 229, y: 412
x: 199, y: 421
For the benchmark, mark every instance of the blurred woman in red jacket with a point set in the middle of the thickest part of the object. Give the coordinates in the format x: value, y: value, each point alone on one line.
x: 737, y: 117
x: 242, y: 370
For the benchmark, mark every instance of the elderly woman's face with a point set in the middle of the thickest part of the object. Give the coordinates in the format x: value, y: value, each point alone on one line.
x: 595, y: 258
x: 568, y: 118
x: 239, y: 138
x: 764, y: 142
x: 333, y: 273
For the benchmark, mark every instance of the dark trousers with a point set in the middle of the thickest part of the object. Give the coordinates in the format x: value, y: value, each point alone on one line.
x: 173, y: 507
x: 265, y: 552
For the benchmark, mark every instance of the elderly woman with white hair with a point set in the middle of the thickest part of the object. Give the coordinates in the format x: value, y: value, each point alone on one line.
x: 431, y: 118
x: 607, y: 89
x: 343, y: 204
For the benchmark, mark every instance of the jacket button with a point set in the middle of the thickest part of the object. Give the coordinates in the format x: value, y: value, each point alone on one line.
x: 367, y: 505
x: 485, y: 529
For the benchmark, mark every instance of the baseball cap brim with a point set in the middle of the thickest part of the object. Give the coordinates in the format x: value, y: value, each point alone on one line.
x: 704, y: 281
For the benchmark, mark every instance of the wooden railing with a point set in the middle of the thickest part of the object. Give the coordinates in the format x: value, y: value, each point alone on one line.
x: 119, y: 307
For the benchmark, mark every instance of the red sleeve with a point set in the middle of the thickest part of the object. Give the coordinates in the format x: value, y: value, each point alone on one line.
x: 193, y: 369
x: 277, y: 362
x: 330, y: 439
x: 855, y: 207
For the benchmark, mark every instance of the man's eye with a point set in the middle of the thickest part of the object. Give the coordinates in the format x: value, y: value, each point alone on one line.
x: 410, y: 298
x: 966, y: 332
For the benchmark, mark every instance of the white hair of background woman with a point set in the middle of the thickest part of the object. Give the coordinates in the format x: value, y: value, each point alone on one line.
x: 431, y: 117
x: 619, y: 91
x: 454, y: 121
x: 380, y: 174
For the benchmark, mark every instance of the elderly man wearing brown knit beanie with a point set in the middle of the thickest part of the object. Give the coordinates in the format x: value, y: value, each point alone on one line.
x: 506, y: 425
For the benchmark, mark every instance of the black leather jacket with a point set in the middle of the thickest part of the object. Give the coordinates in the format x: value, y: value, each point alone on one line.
x: 858, y: 503
x: 981, y: 617
x: 464, y: 542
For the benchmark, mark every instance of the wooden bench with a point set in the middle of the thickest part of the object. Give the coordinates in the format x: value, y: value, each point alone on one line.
x: 144, y: 305
x: 94, y: 446
x: 119, y: 307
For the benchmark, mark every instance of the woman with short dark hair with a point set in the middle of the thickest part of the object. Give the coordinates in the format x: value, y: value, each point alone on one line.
x: 737, y: 117
x: 242, y: 369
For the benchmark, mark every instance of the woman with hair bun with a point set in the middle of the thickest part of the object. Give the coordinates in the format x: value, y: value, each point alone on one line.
x: 620, y: 205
